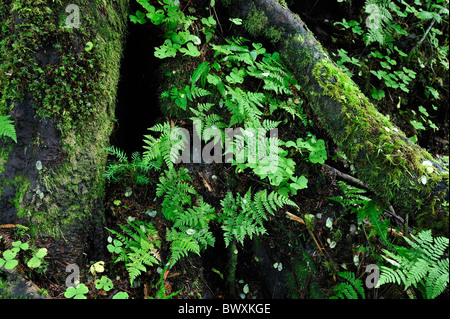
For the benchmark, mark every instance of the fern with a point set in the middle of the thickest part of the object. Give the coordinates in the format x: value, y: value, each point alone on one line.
x: 7, y: 127
x: 195, y: 92
x: 140, y: 247
x: 165, y: 149
x: 269, y: 124
x: 421, y: 266
x: 200, y: 73
x: 175, y: 190
x: 373, y: 215
x: 353, y: 198
x: 235, y: 51
x: 190, y: 231
x: 202, y: 121
x: 379, y: 22
x: 350, y: 288
x: 136, y: 169
x: 244, y: 106
x: 139, y: 257
x: 274, y: 75
x: 243, y: 216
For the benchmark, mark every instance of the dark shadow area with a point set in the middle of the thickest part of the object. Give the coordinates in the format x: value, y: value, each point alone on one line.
x: 137, y: 98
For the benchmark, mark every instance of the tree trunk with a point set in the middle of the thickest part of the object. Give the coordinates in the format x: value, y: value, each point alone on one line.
x: 384, y: 158
x: 59, y: 70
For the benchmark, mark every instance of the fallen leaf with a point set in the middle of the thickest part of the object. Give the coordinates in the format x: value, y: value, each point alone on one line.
x: 205, y: 182
x: 296, y: 218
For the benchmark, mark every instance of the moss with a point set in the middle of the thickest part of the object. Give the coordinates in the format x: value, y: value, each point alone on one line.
x: 370, y: 137
x: 257, y: 24
x: 22, y: 184
x: 4, y: 154
x: 62, y: 76
x: 282, y: 2
x: 68, y: 86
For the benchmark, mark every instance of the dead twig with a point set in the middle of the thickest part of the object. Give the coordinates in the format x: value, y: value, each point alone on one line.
x: 345, y: 177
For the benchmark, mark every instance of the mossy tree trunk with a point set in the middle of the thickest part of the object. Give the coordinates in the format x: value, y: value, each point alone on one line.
x: 384, y: 158
x: 59, y: 70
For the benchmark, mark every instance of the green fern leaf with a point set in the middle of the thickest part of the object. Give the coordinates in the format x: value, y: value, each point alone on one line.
x: 7, y: 127
x: 422, y: 264
x: 201, y: 72
x: 350, y: 288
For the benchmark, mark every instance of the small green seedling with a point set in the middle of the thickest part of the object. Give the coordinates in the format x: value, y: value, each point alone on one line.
x: 37, y: 259
x: 104, y: 283
x: 8, y: 260
x: 115, y: 246
x: 18, y: 245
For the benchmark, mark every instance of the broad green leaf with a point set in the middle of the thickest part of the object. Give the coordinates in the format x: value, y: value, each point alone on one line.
x: 34, y: 262
x: 41, y: 253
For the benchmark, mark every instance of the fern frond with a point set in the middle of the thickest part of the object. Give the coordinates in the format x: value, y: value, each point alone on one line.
x: 140, y: 246
x: 165, y: 149
x: 182, y: 245
x: 421, y: 264
x: 201, y: 72
x: 197, y: 92
x: 270, y: 124
x: 118, y: 153
x: 438, y: 279
x: 350, y: 288
x: 243, y: 216
x: 380, y: 22
x: 7, y: 127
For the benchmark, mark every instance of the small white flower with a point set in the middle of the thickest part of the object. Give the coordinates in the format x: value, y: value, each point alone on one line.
x: 427, y: 163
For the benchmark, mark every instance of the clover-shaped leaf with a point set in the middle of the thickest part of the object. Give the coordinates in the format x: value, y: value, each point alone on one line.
x: 9, y: 262
x: 104, y: 283
x: 77, y: 292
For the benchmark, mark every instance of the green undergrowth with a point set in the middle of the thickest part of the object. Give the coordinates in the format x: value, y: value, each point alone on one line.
x: 357, y: 126
x: 192, y: 205
x: 240, y: 84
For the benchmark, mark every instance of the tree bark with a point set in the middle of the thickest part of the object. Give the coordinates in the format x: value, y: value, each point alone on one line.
x: 397, y: 170
x: 59, y: 70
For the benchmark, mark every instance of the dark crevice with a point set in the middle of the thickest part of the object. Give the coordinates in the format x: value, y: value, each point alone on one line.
x: 137, y: 106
